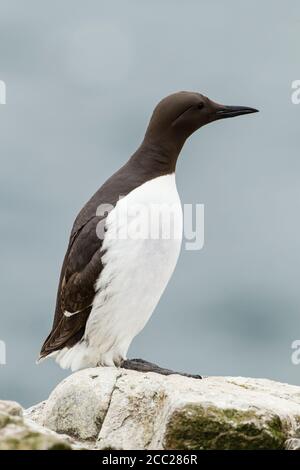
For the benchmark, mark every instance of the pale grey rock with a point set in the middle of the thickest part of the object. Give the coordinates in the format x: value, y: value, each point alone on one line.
x: 35, y: 413
x: 109, y: 408
x: 78, y: 405
x: 11, y: 407
x: 215, y: 413
x: 292, y: 444
x: 19, y: 433
x: 137, y: 413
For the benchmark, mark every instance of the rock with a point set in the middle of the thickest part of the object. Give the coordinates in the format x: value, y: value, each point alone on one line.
x: 19, y: 433
x: 11, y: 408
x: 292, y: 444
x: 108, y: 408
x: 78, y: 405
x: 34, y: 413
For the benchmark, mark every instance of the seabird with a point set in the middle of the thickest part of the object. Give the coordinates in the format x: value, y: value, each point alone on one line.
x: 110, y: 283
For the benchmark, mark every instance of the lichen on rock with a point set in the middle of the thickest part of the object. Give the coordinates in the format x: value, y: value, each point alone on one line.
x: 197, y: 427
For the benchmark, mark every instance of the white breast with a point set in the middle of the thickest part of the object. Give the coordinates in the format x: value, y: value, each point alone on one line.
x: 142, y: 244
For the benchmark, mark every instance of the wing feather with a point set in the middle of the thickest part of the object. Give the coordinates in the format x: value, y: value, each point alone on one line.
x: 81, y: 268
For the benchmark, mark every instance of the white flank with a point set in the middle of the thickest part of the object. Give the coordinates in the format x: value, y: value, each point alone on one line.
x: 135, y: 274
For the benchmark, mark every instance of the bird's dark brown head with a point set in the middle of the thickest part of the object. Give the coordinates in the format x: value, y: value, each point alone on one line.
x: 174, y: 119
x: 179, y: 115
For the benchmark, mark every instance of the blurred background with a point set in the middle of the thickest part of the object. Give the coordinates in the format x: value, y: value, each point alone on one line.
x: 82, y: 79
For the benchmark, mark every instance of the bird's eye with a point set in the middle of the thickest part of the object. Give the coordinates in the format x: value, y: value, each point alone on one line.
x: 200, y: 105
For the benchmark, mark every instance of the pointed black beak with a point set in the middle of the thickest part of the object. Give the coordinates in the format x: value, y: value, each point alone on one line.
x: 223, y: 112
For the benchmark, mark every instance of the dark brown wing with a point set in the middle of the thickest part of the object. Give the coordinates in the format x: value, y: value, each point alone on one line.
x: 80, y: 271
x: 82, y: 264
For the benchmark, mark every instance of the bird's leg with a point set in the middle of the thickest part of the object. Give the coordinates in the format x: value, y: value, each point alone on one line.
x: 144, y: 366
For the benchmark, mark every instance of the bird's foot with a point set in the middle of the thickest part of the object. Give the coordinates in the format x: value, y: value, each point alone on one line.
x: 145, y: 366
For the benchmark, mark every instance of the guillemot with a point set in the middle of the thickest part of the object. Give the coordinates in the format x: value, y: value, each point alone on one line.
x: 110, y: 284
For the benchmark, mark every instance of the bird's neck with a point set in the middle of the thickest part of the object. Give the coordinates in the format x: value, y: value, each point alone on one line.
x: 157, y: 156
